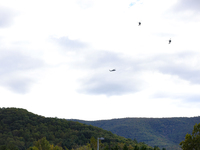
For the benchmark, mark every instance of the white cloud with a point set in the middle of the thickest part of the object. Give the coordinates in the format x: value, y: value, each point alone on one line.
x: 17, y: 71
x: 59, y: 53
x: 6, y: 17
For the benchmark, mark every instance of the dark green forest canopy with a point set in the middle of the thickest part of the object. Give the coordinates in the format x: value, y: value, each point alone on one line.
x: 163, y: 132
x: 20, y: 128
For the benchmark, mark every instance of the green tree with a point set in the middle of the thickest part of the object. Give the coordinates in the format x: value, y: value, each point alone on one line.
x: 12, y: 147
x: 144, y: 147
x: 130, y: 147
x: 125, y: 147
x: 84, y: 147
x: 192, y: 142
x: 135, y: 141
x: 106, y: 147
x: 156, y: 148
x: 120, y: 146
x: 93, y: 143
x: 43, y: 144
x: 33, y: 148
x: 57, y: 148
x: 3, y: 147
x: 116, y: 148
x: 136, y: 147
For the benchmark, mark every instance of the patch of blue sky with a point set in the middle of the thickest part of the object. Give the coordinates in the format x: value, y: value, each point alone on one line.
x: 131, y: 4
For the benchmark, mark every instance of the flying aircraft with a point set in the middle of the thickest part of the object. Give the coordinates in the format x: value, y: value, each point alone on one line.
x: 111, y: 70
x: 139, y: 23
x: 170, y: 41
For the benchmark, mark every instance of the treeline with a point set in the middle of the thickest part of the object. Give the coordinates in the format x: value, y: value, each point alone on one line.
x: 163, y: 132
x: 20, y: 129
x: 43, y: 144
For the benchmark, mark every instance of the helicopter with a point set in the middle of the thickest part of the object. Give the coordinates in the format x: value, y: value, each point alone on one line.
x: 111, y: 70
x: 139, y: 24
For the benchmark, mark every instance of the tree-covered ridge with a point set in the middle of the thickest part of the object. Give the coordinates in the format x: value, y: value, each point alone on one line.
x: 163, y: 132
x: 192, y: 141
x: 20, y: 129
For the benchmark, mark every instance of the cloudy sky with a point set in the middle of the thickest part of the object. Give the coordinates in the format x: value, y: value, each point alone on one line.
x: 55, y: 58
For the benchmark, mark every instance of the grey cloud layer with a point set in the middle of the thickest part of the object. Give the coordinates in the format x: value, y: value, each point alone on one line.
x: 184, y: 5
x: 6, y: 17
x: 13, y: 69
x: 181, y: 65
x: 18, y: 84
x: 11, y: 61
x: 101, y: 81
x: 127, y: 77
x: 68, y: 44
x: 191, y: 98
x: 185, y: 10
x: 14, y: 66
x: 97, y: 63
x: 108, y: 84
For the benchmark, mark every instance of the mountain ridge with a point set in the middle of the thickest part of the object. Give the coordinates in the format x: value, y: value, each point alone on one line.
x: 20, y: 129
x: 163, y: 132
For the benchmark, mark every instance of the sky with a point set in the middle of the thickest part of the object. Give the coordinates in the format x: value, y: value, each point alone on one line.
x: 55, y: 58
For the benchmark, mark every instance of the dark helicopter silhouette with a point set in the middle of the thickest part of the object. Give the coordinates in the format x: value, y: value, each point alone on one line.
x: 170, y: 40
x: 139, y: 24
x: 111, y: 70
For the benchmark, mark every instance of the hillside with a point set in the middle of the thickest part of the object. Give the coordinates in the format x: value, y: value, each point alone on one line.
x: 19, y: 129
x: 163, y: 132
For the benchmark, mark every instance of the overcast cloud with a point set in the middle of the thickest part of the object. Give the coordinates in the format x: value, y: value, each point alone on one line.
x: 99, y: 81
x: 184, y: 5
x: 15, y: 70
x: 185, y: 11
x: 6, y: 17
x: 60, y: 53
x: 68, y: 44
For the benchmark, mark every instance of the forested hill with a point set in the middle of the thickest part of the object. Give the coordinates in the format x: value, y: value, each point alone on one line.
x: 20, y: 129
x: 164, y: 132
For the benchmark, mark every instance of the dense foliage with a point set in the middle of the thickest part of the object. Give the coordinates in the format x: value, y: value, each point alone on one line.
x: 192, y: 142
x: 162, y: 132
x: 20, y: 129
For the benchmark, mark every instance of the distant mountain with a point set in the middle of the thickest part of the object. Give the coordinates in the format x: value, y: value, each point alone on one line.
x: 162, y: 132
x: 19, y: 129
